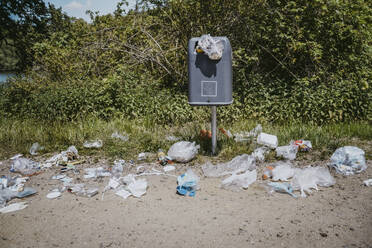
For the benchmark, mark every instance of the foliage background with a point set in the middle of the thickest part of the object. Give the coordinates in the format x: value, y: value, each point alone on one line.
x: 307, y: 61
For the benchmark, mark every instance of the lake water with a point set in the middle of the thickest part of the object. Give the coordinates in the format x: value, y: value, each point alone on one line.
x: 5, y: 75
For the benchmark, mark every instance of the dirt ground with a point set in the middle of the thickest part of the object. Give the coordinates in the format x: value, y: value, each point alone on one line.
x: 339, y: 216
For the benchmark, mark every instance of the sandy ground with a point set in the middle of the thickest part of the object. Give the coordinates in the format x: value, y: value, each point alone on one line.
x: 339, y: 216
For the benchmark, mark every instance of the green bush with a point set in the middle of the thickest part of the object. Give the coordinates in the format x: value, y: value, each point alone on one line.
x: 306, y: 61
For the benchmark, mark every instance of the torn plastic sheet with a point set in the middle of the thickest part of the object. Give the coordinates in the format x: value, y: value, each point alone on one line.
x: 237, y: 165
x: 310, y: 178
x: 282, y: 171
x: 239, y: 181
x: 210, y: 46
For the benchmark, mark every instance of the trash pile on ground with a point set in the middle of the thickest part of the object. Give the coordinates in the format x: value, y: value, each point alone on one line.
x: 127, y: 178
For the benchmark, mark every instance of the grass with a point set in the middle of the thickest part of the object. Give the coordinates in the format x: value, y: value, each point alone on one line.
x: 17, y: 136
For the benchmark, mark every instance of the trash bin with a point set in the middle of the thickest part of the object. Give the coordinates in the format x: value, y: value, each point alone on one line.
x: 210, y: 80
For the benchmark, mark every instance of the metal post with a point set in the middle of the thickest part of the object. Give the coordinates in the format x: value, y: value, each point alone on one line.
x: 214, y: 129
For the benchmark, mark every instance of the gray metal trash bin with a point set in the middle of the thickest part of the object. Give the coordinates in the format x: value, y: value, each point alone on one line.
x: 210, y: 81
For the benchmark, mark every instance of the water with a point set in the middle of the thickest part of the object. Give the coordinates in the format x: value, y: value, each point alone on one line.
x: 5, y: 75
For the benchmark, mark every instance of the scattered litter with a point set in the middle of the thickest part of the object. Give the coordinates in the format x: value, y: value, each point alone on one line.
x: 136, y: 187
x: 35, y: 148
x: 118, y: 169
x: 368, y: 182
x: 188, y: 183
x: 282, y: 171
x: 240, y: 181
x: 8, y: 194
x: 140, y: 169
x: 246, y: 136
x: 303, y: 145
x: 183, y: 151
x: 281, y: 188
x: 123, y: 193
x: 13, y: 207
x: 310, y: 178
x: 16, y: 156
x: 227, y: 133
x: 117, y: 135
x: 287, y: 152
x: 205, y: 134
x: 93, y: 144
x: 259, y: 153
x: 143, y: 156
x: 268, y: 173
x: 54, y: 194
x: 169, y: 168
x: 210, y: 46
x: 163, y: 159
x: 172, y: 138
x: 113, y: 184
x: 267, y: 140
x: 96, y: 172
x: 79, y: 190
x: 237, y: 165
x: 348, y: 160
x: 25, y: 166
x: 62, y: 158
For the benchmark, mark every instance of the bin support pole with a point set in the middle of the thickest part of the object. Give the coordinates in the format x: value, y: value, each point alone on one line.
x: 214, y: 129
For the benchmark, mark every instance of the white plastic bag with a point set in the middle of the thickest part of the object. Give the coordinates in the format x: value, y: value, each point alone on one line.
x: 240, y: 181
x: 93, y: 144
x: 183, y: 151
x: 259, y: 153
x: 25, y: 166
x: 282, y: 171
x: 237, y: 165
x: 287, y: 152
x: 348, y: 160
x: 210, y: 46
x: 310, y: 177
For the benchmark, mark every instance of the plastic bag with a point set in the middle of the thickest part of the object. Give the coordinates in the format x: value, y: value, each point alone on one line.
x: 136, y: 188
x: 8, y: 194
x: 35, y: 148
x: 93, y: 144
x: 287, y: 152
x: 183, y: 151
x: 188, y: 183
x: 239, y: 181
x: 237, y: 165
x: 96, y: 172
x: 246, y: 136
x: 267, y: 140
x: 368, y: 182
x: 25, y: 166
x: 282, y: 171
x: 210, y: 46
x: 310, y: 177
x: 117, y: 135
x: 281, y: 188
x: 80, y: 190
x: 259, y: 153
x: 348, y: 160
x: 303, y: 145
x: 117, y: 169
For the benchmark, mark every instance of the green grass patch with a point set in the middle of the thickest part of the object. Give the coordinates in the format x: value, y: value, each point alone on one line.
x: 17, y: 136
